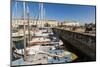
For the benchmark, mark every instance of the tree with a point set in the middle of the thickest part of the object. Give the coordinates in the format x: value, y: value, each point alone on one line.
x: 47, y: 25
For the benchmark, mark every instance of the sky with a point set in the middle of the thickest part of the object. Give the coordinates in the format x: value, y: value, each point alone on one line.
x: 55, y: 11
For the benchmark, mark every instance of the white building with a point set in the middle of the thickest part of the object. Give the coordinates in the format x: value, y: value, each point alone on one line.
x: 39, y: 23
x: 70, y: 23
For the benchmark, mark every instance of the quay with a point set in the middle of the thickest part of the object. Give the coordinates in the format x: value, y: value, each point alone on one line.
x: 83, y: 44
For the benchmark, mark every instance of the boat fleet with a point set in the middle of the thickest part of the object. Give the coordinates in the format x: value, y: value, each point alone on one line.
x: 40, y: 46
x: 43, y: 48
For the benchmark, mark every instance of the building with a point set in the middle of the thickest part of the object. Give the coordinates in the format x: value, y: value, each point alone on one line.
x: 39, y: 23
x: 70, y: 23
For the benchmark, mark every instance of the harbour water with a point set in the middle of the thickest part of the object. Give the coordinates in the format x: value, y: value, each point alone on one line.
x: 51, y: 52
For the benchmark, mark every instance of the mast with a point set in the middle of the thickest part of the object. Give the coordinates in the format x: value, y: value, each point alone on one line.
x: 44, y: 16
x: 17, y: 19
x: 41, y: 13
x: 16, y: 13
x: 24, y: 31
x: 28, y: 25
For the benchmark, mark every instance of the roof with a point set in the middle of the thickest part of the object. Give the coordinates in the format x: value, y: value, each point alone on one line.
x: 69, y: 21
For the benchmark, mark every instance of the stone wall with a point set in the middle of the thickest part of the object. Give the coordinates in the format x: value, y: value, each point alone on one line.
x: 84, y: 42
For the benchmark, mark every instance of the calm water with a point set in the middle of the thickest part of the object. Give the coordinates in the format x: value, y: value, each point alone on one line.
x: 19, y: 44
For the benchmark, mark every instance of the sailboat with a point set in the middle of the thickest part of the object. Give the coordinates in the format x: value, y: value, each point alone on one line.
x: 40, y: 36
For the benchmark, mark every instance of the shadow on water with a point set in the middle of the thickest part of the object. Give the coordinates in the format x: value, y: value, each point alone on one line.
x: 19, y: 44
x: 81, y: 56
